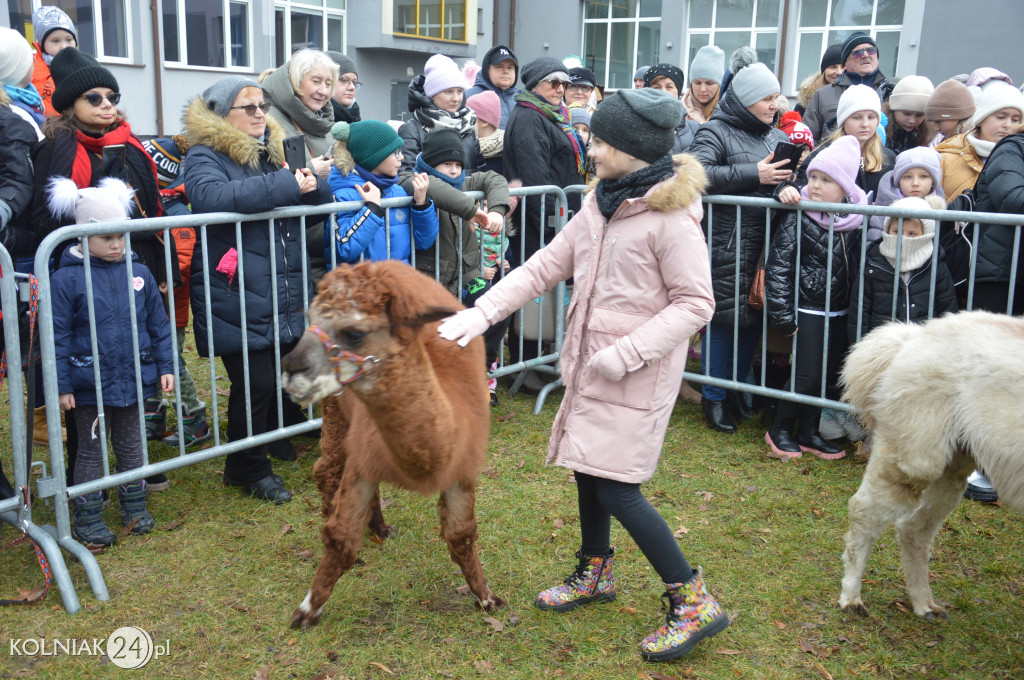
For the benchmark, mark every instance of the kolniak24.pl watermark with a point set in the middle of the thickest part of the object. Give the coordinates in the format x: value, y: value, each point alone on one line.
x: 127, y: 647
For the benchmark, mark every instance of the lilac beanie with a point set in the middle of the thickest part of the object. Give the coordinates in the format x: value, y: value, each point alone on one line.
x: 840, y: 160
x: 919, y: 157
x: 440, y: 74
x: 487, y: 107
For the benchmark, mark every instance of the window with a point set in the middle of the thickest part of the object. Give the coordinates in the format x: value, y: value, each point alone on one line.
x: 101, y: 26
x: 203, y: 33
x: 317, y: 24
x: 826, y: 22
x: 729, y: 24
x: 620, y: 36
x: 434, y: 19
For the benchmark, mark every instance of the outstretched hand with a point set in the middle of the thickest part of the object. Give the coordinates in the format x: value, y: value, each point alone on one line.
x: 464, y: 326
x: 420, y: 183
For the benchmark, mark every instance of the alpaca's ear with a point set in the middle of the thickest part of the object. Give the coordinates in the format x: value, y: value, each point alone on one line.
x: 430, y: 315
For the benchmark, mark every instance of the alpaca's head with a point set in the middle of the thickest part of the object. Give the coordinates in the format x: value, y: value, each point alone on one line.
x: 372, y: 309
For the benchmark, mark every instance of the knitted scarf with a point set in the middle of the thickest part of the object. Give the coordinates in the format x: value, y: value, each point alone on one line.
x: 26, y: 95
x: 916, y: 250
x: 559, y: 115
x: 455, y: 182
x: 611, y: 193
x: 463, y: 120
x: 843, y: 221
x: 493, y: 145
x: 380, y: 181
x: 981, y: 147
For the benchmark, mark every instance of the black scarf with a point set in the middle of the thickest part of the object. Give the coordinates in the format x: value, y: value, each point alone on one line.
x: 611, y: 193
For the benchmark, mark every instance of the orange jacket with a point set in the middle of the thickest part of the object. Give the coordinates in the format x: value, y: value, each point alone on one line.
x: 43, y: 81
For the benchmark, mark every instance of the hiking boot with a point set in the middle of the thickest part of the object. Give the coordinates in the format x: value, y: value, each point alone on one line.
x: 89, y: 526
x: 40, y: 433
x: 591, y: 582
x: 156, y: 419
x: 132, y: 498
x: 192, y: 425
x: 980, y: 489
x: 693, y: 614
x: 780, y: 440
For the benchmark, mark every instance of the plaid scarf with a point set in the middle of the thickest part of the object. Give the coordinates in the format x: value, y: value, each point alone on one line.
x: 558, y: 115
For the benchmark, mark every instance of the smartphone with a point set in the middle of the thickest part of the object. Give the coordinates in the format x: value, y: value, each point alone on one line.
x: 112, y: 161
x: 295, y: 152
x: 789, y: 152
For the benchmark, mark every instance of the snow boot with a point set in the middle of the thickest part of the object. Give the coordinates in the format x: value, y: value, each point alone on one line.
x: 156, y: 419
x: 89, y: 526
x: 134, y: 514
x: 192, y: 426
x: 591, y: 582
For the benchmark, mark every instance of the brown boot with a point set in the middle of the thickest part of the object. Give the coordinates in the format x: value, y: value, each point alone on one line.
x: 40, y: 435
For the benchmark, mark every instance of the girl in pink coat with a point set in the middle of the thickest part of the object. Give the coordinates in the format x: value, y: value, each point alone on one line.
x: 642, y: 288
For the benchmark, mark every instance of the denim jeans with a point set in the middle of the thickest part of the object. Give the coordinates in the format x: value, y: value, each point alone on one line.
x: 716, y: 355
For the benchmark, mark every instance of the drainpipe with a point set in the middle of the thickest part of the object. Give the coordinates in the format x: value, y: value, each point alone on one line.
x: 512, y: 26
x: 158, y: 64
x: 781, y: 66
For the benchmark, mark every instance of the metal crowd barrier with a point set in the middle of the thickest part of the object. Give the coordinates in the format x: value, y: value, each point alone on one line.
x: 757, y: 384
x: 54, y: 484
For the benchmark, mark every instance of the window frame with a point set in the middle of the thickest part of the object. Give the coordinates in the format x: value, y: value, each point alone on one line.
x: 323, y: 10
x: 420, y: 36
x: 608, y: 20
x: 753, y: 31
x: 98, y: 31
x: 229, y: 66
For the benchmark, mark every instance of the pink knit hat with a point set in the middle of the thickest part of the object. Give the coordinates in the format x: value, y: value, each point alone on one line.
x: 440, y: 74
x: 487, y: 107
x: 840, y: 160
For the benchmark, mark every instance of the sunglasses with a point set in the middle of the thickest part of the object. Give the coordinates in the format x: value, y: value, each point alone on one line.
x: 580, y: 88
x: 557, y: 83
x: 866, y: 52
x: 97, y: 99
x: 346, y: 81
x: 250, y: 109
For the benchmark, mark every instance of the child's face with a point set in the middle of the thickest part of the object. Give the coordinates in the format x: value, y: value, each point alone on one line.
x: 916, y: 182
x: 449, y: 168
x: 946, y: 127
x: 390, y: 166
x: 584, y: 131
x: 908, y: 120
x: 912, y: 228
x: 803, y: 156
x: 822, y: 188
x: 862, y: 125
x: 108, y: 247
x: 57, y: 40
x: 999, y: 124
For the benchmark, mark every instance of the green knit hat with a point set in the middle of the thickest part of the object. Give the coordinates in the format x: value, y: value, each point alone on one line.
x: 369, y: 141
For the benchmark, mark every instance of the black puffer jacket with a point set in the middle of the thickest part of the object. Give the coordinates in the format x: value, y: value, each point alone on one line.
x: 685, y: 133
x: 1000, y: 189
x: 781, y: 269
x: 538, y: 152
x: 912, y: 298
x: 413, y: 131
x: 16, y: 180
x: 729, y: 147
x: 226, y: 170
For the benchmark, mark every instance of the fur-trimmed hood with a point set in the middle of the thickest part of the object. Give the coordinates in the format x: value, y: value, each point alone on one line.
x: 677, y: 192
x: 4, y: 99
x: 204, y: 127
x: 808, y: 87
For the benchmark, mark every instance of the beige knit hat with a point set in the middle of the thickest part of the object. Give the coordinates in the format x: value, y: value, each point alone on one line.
x: 911, y: 94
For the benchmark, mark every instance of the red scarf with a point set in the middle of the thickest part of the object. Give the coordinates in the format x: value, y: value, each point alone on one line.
x: 81, y: 170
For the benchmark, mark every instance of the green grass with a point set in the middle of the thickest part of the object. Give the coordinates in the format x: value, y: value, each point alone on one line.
x: 222, y: 574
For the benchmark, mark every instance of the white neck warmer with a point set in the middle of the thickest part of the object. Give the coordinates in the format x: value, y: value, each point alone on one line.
x: 981, y: 147
x: 916, y: 251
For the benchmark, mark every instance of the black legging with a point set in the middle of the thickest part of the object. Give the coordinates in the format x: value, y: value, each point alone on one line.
x: 810, y: 348
x: 601, y: 499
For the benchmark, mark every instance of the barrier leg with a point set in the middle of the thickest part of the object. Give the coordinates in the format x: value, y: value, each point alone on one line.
x: 88, y: 561
x: 58, y: 568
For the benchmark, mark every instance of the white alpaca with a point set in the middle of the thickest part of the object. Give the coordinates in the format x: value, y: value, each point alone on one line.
x: 942, y: 399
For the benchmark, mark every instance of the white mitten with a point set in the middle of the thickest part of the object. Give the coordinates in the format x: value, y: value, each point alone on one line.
x: 464, y: 326
x: 614, y: 361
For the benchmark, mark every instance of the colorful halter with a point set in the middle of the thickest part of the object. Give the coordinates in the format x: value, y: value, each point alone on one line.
x: 336, y: 355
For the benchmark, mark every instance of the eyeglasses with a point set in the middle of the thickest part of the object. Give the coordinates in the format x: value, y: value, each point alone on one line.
x: 346, y: 81
x: 580, y: 88
x: 557, y: 83
x: 866, y: 52
x: 97, y: 99
x: 397, y: 154
x: 250, y: 109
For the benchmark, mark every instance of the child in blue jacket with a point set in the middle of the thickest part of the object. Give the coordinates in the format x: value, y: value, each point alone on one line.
x: 116, y: 352
x: 367, y: 158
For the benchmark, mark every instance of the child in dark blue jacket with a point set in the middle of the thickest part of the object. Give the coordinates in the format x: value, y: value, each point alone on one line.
x: 111, y: 288
x: 367, y: 158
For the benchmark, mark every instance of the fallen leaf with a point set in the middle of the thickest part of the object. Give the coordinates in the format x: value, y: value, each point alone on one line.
x: 751, y: 489
x: 513, y: 620
x: 522, y: 462
x: 817, y: 513
x: 173, y: 524
x: 681, y: 531
x: 286, y: 529
x: 821, y: 670
x: 463, y: 590
x: 765, y: 531
x: 483, y: 666
x: 382, y: 667
x: 291, y: 641
x: 706, y: 495
x: 728, y: 652
x: 310, y: 503
x: 780, y: 625
x: 558, y: 524
x: 262, y: 674
x: 507, y: 416
x: 489, y: 472
x: 931, y: 643
x: 496, y: 625
x: 305, y: 555
x: 224, y: 392
x: 627, y: 610
x: 332, y: 656
x: 30, y: 595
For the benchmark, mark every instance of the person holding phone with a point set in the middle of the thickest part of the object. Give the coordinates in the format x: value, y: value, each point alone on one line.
x: 236, y: 164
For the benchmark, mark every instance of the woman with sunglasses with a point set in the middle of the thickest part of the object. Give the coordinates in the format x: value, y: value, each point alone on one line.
x: 859, y: 56
x: 235, y: 164
x: 437, y: 99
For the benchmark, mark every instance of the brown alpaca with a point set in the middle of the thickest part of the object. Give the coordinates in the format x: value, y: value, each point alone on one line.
x: 416, y: 417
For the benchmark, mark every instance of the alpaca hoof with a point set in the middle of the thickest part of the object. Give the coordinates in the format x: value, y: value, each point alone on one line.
x: 936, y: 615
x: 384, y: 530
x: 856, y: 607
x: 305, y: 617
x: 492, y: 603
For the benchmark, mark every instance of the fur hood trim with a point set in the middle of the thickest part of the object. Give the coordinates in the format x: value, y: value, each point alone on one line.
x: 679, y: 191
x: 808, y: 87
x: 4, y: 99
x: 204, y: 127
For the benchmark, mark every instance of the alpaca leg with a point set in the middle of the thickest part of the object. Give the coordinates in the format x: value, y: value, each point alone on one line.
x: 917, y: 532
x: 342, y: 536
x: 457, y: 508
x: 330, y: 467
x: 378, y: 526
x: 879, y: 502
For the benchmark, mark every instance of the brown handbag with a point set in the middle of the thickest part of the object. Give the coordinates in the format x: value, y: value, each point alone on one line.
x: 756, y: 296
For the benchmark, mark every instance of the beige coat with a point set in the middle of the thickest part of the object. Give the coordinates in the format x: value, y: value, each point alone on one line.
x: 645, y: 274
x: 961, y: 165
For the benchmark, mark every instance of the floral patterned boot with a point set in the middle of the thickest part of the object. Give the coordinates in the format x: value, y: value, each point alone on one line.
x: 591, y: 582
x: 693, y: 614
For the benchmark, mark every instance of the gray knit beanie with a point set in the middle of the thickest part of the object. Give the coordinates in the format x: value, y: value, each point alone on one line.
x: 640, y: 122
x: 220, y: 96
x: 539, y: 69
x: 753, y: 83
x: 708, y: 63
x: 345, y: 65
x: 46, y: 20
